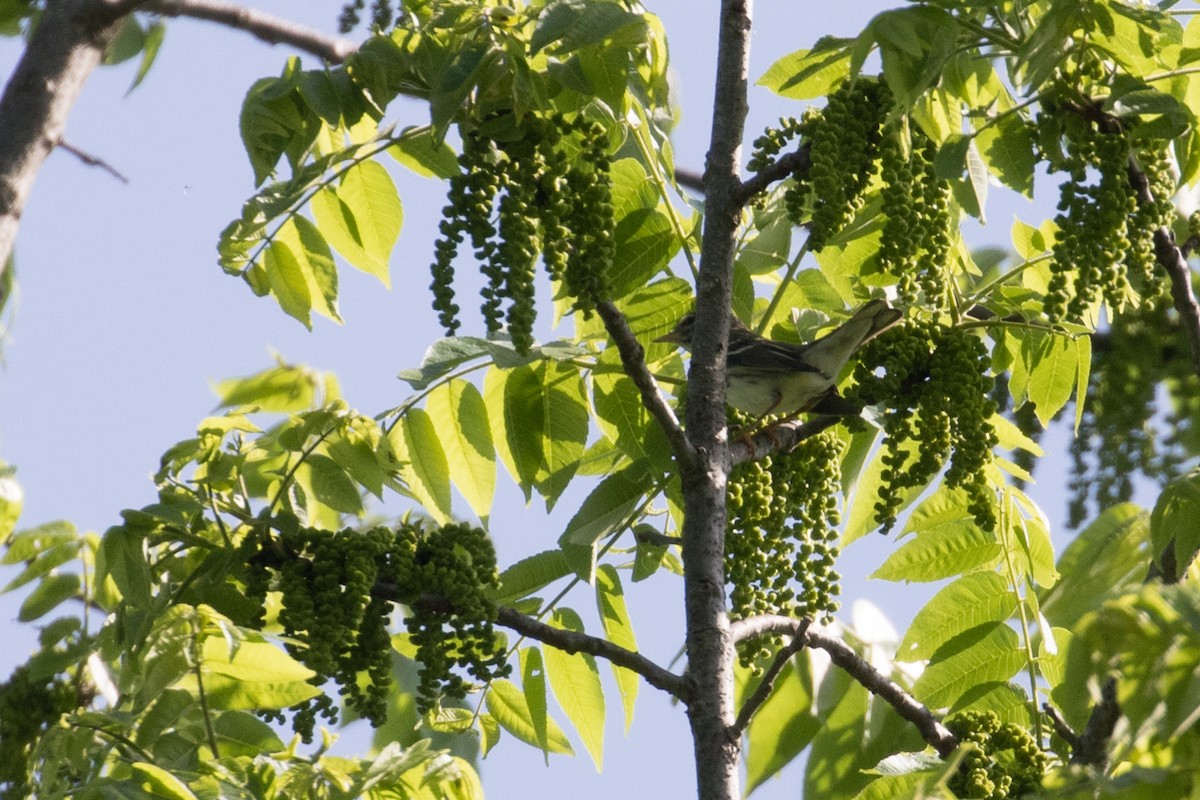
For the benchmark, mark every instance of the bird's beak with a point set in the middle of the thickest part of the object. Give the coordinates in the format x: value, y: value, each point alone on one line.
x: 671, y: 338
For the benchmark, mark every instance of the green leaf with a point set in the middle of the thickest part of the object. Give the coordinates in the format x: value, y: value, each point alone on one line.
x: 623, y: 417
x: 539, y: 423
x: 425, y: 467
x: 362, y: 218
x: 150, y: 47
x: 128, y: 42
x: 160, y: 783
x: 947, y: 542
x: 834, y: 762
x: 618, y: 627
x: 241, y: 734
x: 783, y: 726
x: 531, y: 574
x: 1028, y: 241
x: 457, y: 411
x: 416, y: 149
x: 455, y: 82
x: 270, y: 120
x: 575, y: 679
x: 281, y: 388
x: 443, y: 357
x: 861, y: 517
x: 533, y: 682
x: 506, y: 703
x: 608, y: 508
x: 288, y: 283
x: 1173, y: 524
x: 326, y: 482
x: 313, y: 260
x: 968, y: 602
x: 1105, y: 557
x: 12, y: 500
x: 122, y: 559
x: 249, y: 675
x: 914, y: 43
x: 47, y: 595
x: 988, y: 652
x: 807, y: 74
x: 574, y: 25
x: 1045, y: 370
x: 1007, y: 148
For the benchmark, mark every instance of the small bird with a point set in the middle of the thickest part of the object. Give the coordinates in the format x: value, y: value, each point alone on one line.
x: 768, y: 377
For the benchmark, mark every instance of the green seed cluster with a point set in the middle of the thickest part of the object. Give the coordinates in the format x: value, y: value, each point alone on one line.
x: 781, y: 537
x: 1104, y: 248
x: 450, y: 620
x: 845, y: 140
x: 337, y: 591
x: 915, y: 245
x: 1001, y: 760
x: 1120, y: 434
x: 382, y: 15
x: 28, y: 707
x: 548, y: 190
x: 772, y: 142
x: 933, y: 381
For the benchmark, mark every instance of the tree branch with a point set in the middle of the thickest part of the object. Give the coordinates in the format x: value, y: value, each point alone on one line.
x: 930, y: 728
x: 575, y: 642
x: 633, y: 358
x: 1172, y: 259
x: 266, y: 27
x: 709, y: 644
x: 787, y: 164
x: 778, y: 438
x: 767, y: 684
x: 1092, y: 746
x: 66, y: 46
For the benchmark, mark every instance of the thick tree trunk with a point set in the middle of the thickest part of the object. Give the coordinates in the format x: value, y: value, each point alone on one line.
x: 709, y: 643
x: 68, y: 44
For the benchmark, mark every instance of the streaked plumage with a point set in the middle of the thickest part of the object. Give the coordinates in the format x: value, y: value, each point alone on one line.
x: 768, y: 377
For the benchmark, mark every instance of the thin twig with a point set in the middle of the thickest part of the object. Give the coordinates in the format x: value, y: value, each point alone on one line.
x: 1061, y: 727
x: 91, y: 160
x: 269, y: 28
x: 633, y: 359
x: 787, y: 164
x: 930, y: 728
x: 767, y: 684
x: 689, y: 179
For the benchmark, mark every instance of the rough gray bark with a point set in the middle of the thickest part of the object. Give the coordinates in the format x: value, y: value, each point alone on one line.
x: 710, y: 648
x: 69, y: 41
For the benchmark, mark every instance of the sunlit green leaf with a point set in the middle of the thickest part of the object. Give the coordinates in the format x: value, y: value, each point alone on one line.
x: 458, y: 414
x: 575, y: 679
x: 618, y: 627
x: 506, y: 703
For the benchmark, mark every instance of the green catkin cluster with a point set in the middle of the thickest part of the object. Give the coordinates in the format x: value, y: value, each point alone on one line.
x: 1104, y: 248
x: 450, y: 619
x: 28, y: 707
x: 1120, y: 434
x: 781, y: 537
x: 1001, y: 760
x: 547, y: 191
x: 915, y: 244
x: 844, y: 140
x: 337, y: 591
x: 934, y: 383
x: 382, y: 15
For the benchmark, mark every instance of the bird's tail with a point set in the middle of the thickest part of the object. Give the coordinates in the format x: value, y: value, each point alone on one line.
x: 831, y: 352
